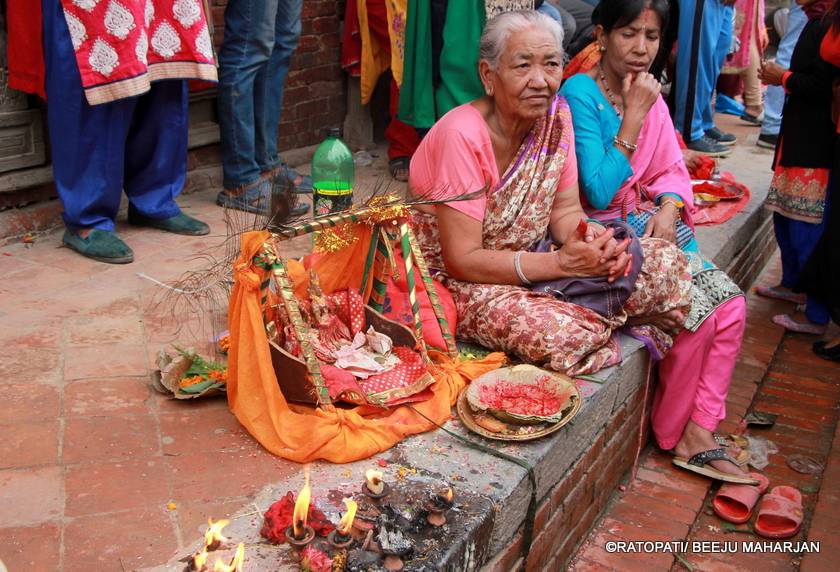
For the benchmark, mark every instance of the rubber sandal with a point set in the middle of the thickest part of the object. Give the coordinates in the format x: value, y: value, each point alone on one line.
x: 254, y: 199
x: 735, y: 503
x: 100, y: 245
x: 699, y: 464
x: 779, y: 513
x: 398, y: 164
x: 791, y: 325
x: 302, y: 183
x: 775, y: 293
x: 744, y: 456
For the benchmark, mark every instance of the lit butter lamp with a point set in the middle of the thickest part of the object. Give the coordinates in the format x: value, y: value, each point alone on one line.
x: 236, y: 563
x: 300, y: 534
x: 437, y: 506
x: 375, y: 488
x: 213, y: 540
x: 340, y: 537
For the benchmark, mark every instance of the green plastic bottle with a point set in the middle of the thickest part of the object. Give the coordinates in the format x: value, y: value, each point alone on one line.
x: 332, y: 175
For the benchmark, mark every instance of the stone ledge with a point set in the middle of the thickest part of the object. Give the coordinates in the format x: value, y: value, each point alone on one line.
x: 577, y: 469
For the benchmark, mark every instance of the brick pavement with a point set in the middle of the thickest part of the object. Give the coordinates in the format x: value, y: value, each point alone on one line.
x: 776, y: 373
x: 92, y: 457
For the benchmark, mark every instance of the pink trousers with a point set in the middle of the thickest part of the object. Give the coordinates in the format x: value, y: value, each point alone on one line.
x: 694, y: 376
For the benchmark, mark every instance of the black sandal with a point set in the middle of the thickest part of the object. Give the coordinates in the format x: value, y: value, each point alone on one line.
x: 699, y: 464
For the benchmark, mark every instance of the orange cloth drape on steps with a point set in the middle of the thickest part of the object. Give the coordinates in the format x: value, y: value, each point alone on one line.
x: 304, y: 434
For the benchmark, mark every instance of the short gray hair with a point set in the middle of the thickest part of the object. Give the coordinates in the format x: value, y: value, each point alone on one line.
x: 499, y: 29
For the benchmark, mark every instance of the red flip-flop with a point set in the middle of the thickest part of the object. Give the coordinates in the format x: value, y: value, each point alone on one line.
x: 734, y: 503
x: 779, y: 513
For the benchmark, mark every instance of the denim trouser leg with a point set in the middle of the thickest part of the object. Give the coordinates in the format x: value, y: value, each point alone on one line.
x: 268, y: 86
x: 244, y: 54
x: 774, y: 99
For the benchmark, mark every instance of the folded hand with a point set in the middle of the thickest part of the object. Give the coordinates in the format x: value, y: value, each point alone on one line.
x: 596, y: 253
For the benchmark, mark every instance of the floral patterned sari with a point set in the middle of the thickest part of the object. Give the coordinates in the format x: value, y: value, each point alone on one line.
x: 537, y: 327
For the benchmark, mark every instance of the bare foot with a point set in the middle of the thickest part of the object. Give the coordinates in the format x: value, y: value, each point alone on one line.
x: 832, y: 343
x: 695, y: 440
x: 669, y: 321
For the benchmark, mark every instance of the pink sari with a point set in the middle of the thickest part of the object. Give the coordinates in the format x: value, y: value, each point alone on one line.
x: 536, y: 327
x: 658, y: 167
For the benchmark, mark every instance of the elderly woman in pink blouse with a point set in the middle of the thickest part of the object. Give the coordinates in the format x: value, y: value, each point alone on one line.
x: 517, y: 144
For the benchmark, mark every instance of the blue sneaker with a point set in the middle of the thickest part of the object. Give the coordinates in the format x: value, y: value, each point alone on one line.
x: 721, y: 137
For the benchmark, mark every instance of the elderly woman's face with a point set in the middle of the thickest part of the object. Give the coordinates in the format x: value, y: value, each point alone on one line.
x: 632, y: 48
x: 528, y: 74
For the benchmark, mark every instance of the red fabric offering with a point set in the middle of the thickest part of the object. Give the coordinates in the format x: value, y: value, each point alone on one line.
x: 278, y: 518
x: 398, y: 307
x: 722, y: 211
x: 704, y: 170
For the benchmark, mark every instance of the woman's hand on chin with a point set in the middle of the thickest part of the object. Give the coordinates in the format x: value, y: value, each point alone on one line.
x: 639, y: 92
x: 600, y: 256
x: 663, y: 224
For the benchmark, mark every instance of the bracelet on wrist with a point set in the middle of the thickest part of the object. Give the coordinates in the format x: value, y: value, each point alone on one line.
x: 624, y: 143
x: 517, y: 266
x: 676, y: 204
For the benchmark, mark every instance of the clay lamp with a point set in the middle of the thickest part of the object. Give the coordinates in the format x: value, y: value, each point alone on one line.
x: 437, y: 506
x: 375, y: 488
x: 341, y: 537
x: 300, y: 534
x: 394, y: 546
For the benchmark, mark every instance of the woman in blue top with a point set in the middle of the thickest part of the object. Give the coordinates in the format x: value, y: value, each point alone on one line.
x: 630, y: 164
x: 630, y: 167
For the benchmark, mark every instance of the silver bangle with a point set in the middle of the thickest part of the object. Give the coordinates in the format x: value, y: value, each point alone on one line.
x: 517, y: 265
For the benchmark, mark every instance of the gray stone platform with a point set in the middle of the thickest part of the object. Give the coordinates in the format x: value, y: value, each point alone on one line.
x: 576, y: 469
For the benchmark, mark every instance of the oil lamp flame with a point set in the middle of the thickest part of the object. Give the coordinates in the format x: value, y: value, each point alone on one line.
x: 449, y: 495
x: 346, y: 522
x: 373, y: 481
x: 236, y: 563
x: 301, y: 512
x: 199, y: 560
x: 213, y: 537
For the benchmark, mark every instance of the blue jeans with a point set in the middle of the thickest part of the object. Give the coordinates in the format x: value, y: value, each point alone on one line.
x: 137, y: 144
x: 260, y: 36
x: 774, y: 98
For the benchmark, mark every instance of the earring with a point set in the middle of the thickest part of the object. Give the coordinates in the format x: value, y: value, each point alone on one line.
x: 602, y: 48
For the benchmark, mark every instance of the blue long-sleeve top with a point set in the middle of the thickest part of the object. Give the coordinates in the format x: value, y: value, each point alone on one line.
x: 602, y: 168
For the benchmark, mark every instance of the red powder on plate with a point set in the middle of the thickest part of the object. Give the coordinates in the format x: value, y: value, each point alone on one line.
x: 540, y: 397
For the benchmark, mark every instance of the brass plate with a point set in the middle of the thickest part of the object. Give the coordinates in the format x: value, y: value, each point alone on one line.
x: 517, y: 432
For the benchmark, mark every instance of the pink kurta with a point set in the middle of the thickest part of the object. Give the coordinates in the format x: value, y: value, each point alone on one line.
x: 123, y: 45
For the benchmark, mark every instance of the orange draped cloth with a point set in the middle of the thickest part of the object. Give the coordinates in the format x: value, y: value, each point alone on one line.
x: 300, y: 433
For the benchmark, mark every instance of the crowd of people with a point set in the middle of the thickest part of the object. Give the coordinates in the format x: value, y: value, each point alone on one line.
x: 585, y: 179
